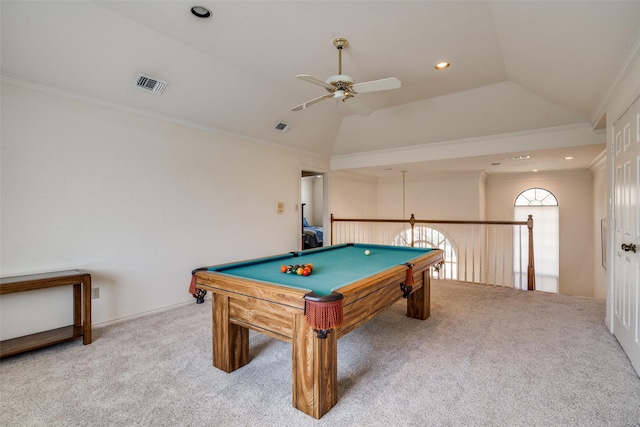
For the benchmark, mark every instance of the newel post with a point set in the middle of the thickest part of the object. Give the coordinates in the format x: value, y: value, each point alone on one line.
x: 412, y: 222
x: 331, y: 229
x: 531, y: 271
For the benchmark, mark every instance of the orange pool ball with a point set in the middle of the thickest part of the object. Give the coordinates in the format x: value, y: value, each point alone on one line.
x: 283, y: 269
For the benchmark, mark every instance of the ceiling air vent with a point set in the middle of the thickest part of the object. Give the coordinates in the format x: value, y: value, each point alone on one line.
x: 149, y: 83
x: 281, y: 127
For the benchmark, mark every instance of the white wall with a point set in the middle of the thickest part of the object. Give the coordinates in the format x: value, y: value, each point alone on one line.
x: 353, y: 195
x: 136, y: 201
x: 308, y: 198
x: 453, y: 196
x: 312, y: 195
x: 574, y: 191
x: 318, y: 200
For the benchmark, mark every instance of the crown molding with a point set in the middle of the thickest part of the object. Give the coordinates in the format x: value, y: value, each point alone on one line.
x: 542, y: 175
x: 599, y: 164
x: 632, y: 56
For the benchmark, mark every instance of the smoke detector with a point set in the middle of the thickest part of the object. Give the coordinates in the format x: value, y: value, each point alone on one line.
x: 149, y: 83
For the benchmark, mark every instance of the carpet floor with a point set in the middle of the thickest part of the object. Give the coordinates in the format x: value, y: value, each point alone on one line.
x: 487, y: 356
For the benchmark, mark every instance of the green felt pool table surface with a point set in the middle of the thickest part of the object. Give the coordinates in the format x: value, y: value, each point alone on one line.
x: 333, y: 266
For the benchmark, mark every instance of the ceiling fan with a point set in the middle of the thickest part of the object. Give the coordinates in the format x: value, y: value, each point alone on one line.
x: 343, y: 87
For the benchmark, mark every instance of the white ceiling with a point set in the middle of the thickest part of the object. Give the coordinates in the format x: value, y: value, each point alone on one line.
x: 517, y: 67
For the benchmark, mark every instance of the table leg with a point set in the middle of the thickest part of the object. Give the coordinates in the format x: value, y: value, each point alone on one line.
x: 230, y: 341
x: 419, y: 302
x: 314, y: 369
x: 86, y: 321
x: 77, y: 304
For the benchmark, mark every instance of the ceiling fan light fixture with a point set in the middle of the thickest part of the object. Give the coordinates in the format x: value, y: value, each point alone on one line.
x: 442, y: 65
x: 201, y: 11
x: 339, y: 94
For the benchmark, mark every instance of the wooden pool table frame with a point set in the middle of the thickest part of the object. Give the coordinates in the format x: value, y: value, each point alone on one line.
x: 240, y: 304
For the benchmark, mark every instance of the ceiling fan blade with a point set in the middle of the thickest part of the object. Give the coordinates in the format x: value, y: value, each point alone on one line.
x: 312, y: 102
x: 311, y: 79
x: 376, y: 85
x: 358, y: 106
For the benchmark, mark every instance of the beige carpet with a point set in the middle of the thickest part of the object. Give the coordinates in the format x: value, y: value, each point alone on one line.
x: 486, y: 357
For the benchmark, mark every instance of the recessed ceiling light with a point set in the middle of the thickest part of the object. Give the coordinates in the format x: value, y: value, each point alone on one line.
x: 201, y: 11
x: 442, y: 65
x: 534, y: 170
x: 524, y: 157
x: 569, y: 158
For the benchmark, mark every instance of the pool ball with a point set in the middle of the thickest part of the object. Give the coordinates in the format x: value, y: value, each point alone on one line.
x: 367, y: 252
x: 283, y: 269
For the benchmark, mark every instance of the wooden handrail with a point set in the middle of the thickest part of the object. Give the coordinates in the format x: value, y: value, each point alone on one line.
x: 430, y: 221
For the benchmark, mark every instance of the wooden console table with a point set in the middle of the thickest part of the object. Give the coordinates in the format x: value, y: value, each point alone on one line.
x: 81, y: 327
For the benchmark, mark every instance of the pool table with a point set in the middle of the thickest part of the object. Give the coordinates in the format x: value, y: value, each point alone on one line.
x: 256, y: 295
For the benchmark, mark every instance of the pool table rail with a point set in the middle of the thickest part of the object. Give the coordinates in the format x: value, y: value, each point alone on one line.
x: 255, y: 305
x: 233, y: 285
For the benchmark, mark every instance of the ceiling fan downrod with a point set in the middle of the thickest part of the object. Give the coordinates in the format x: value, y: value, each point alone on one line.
x: 340, y: 43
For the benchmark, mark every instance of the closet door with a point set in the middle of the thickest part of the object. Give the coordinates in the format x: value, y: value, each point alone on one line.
x: 626, y: 283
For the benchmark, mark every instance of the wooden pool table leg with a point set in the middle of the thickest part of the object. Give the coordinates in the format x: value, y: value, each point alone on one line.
x: 230, y: 341
x: 314, y: 369
x: 419, y: 302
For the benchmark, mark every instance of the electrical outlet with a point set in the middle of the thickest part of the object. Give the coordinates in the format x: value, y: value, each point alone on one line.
x: 95, y: 293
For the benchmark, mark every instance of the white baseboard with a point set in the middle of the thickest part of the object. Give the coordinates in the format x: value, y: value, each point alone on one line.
x: 145, y: 313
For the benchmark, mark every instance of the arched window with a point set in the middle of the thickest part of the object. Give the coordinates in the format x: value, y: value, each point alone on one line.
x: 536, y: 197
x: 427, y: 237
x: 543, y: 206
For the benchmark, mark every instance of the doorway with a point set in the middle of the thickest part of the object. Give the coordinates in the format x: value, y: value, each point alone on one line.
x: 312, y: 209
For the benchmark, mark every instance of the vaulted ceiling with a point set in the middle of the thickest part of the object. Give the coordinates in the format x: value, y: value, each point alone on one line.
x: 517, y: 68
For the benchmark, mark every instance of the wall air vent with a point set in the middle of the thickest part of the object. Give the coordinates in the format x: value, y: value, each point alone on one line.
x: 281, y: 127
x: 150, y: 84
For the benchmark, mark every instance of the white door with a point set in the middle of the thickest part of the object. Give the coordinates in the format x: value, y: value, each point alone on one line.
x: 626, y: 281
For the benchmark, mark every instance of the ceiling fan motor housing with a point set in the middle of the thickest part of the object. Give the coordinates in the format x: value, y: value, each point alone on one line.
x: 340, y: 81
